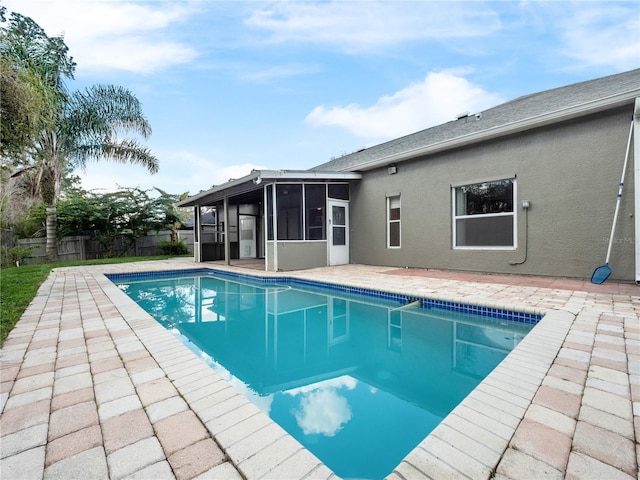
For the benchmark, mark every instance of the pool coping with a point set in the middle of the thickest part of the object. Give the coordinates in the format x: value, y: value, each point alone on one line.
x: 564, y: 403
x: 254, y: 442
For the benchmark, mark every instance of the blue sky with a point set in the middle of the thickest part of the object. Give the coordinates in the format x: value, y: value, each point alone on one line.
x: 232, y: 86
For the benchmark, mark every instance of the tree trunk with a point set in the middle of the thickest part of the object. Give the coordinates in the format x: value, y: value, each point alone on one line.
x: 52, y: 241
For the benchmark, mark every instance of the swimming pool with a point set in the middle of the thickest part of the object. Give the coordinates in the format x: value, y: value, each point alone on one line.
x: 358, y: 377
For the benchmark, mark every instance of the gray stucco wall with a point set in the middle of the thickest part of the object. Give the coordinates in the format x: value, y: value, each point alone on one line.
x: 569, y: 172
x: 298, y: 255
x: 268, y: 257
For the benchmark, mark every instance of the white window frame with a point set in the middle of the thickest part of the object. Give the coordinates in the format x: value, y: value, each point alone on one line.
x: 513, y: 214
x: 398, y: 221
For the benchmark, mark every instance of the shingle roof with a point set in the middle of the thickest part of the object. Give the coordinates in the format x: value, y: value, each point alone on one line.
x: 571, y: 97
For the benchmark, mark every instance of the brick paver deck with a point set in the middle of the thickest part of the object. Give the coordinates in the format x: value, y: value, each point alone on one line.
x: 92, y: 387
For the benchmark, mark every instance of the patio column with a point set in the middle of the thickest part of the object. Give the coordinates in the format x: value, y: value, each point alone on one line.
x: 265, y: 227
x: 197, y: 249
x: 227, y: 244
x: 275, y: 229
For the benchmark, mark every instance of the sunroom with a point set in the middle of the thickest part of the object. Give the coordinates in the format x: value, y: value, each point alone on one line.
x: 290, y: 219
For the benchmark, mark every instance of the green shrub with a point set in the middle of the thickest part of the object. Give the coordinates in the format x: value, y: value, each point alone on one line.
x: 167, y: 247
x: 32, y: 224
x: 18, y: 253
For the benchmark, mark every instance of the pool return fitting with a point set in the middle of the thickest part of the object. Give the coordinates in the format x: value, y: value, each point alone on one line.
x: 417, y: 303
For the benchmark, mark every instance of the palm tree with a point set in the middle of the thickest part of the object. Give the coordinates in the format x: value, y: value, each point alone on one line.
x: 72, y: 128
x: 89, y: 129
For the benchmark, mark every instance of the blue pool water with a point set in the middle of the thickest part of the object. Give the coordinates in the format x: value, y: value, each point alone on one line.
x: 359, y: 378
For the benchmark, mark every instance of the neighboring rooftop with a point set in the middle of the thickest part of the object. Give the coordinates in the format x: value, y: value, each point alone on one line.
x: 524, y: 112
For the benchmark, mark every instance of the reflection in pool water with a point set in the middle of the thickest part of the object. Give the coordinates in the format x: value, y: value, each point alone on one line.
x: 358, y: 380
x: 322, y: 409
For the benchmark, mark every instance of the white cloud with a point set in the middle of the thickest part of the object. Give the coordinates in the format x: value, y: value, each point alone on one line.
x: 358, y: 26
x: 207, y: 170
x: 273, y: 73
x: 133, y: 54
x: 603, y: 35
x: 179, y: 171
x: 229, y: 172
x: 322, y: 410
x: 199, y: 173
x: 113, y: 35
x: 107, y: 176
x: 436, y: 99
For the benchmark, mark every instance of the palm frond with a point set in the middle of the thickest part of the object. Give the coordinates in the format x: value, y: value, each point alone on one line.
x: 102, y: 110
x: 124, y: 151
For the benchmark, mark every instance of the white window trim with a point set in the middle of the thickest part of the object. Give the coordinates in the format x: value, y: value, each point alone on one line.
x: 455, y: 217
x: 389, y: 221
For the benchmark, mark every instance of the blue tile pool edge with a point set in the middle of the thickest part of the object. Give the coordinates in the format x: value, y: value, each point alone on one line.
x: 527, y: 364
x: 530, y: 318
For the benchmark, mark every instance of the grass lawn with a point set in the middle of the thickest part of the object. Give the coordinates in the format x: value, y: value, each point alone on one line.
x: 18, y: 286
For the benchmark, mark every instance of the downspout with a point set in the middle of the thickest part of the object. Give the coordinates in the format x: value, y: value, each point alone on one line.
x: 227, y: 245
x: 636, y: 177
x: 525, y: 206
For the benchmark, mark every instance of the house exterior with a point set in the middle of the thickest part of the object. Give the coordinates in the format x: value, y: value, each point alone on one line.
x: 526, y: 187
x: 278, y: 215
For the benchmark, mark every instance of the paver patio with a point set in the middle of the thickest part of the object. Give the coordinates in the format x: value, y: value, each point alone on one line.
x: 92, y: 387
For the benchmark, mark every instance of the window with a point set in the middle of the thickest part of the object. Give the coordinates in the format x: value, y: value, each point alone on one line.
x: 393, y: 221
x: 269, y: 194
x: 291, y: 202
x: 339, y: 191
x: 300, y: 210
x: 289, y: 212
x: 314, y: 196
x: 483, y: 215
x: 339, y: 228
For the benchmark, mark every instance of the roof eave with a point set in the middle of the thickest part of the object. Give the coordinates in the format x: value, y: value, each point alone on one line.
x: 602, y: 104
x: 254, y: 180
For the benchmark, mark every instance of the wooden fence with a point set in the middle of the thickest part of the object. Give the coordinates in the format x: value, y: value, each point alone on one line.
x: 85, y: 248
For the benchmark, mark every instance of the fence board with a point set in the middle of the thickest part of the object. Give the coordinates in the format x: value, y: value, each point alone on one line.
x: 78, y: 248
